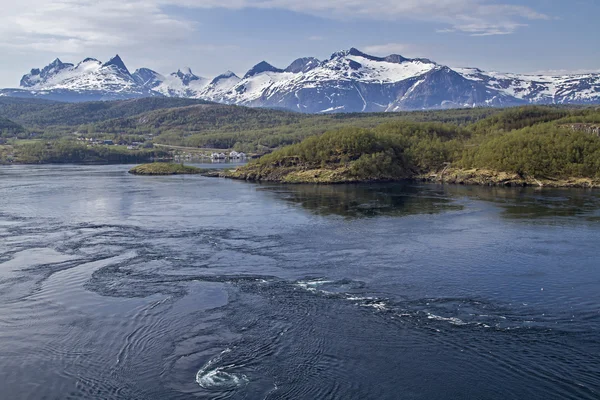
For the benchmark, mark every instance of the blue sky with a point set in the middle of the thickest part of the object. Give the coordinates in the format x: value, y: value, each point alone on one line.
x: 213, y: 36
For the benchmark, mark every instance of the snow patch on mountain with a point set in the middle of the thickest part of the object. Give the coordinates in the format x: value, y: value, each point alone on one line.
x: 88, y: 75
x: 348, y: 81
x: 579, y: 88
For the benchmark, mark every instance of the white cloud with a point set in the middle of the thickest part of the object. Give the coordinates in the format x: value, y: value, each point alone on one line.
x: 72, y: 26
x: 43, y: 29
x: 476, y: 17
x: 387, y: 48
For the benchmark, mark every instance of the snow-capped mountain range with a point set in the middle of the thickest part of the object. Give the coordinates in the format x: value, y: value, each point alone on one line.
x: 349, y: 81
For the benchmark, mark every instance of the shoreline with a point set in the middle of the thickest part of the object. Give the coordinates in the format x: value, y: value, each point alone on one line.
x: 453, y: 176
x: 486, y: 177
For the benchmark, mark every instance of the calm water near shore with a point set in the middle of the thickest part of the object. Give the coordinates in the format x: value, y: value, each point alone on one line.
x: 116, y: 286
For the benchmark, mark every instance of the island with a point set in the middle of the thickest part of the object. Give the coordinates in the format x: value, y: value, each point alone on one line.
x: 164, y: 168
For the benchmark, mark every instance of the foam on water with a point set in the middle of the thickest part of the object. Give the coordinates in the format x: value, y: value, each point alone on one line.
x: 312, y: 285
x: 211, y: 377
x: 379, y: 304
x: 452, y: 320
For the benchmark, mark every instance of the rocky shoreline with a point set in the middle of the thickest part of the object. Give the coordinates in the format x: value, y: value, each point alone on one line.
x: 458, y: 176
x: 485, y: 177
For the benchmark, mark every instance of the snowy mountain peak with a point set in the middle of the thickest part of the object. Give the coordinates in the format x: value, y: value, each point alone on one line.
x: 88, y: 64
x: 225, y: 75
x: 349, y: 81
x: 261, y: 67
x: 55, y: 63
x: 147, y: 77
x: 228, y: 74
x: 392, y: 58
x: 118, y: 63
x: 303, y: 64
x: 353, y: 52
x: 37, y: 76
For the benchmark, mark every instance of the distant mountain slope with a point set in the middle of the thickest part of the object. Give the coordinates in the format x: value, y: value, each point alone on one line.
x: 540, y: 89
x: 203, y: 118
x: 349, y: 81
x: 45, y: 113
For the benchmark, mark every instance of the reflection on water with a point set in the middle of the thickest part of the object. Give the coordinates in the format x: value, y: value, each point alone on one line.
x: 401, y: 199
x: 536, y: 203
x: 360, y: 200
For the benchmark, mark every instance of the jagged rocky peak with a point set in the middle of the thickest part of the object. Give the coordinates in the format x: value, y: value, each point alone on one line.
x: 186, y: 75
x: 55, y: 67
x: 395, y: 58
x: 118, y: 63
x: 185, y: 71
x: 423, y: 60
x: 261, y: 67
x: 37, y: 76
x: 55, y: 64
x: 303, y: 64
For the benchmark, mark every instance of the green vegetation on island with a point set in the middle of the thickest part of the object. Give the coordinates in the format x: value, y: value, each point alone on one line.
x: 163, y: 168
x: 526, y: 146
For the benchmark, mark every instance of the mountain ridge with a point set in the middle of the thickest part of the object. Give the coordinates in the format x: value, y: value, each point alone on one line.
x: 349, y: 81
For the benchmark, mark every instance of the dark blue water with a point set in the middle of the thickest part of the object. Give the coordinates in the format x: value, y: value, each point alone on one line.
x: 115, y: 286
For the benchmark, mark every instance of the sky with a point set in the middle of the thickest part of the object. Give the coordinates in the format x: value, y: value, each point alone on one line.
x: 213, y: 36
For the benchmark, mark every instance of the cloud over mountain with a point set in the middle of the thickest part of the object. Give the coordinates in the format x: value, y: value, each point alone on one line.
x: 72, y: 26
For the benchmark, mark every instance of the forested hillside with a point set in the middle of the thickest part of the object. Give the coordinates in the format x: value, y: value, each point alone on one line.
x: 515, y: 146
x: 193, y: 123
x: 42, y: 115
x: 9, y: 129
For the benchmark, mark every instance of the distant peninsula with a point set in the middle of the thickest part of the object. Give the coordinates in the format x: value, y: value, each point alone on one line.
x: 518, y: 147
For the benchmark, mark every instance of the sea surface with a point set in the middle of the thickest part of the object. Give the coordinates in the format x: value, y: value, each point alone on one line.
x: 115, y: 286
